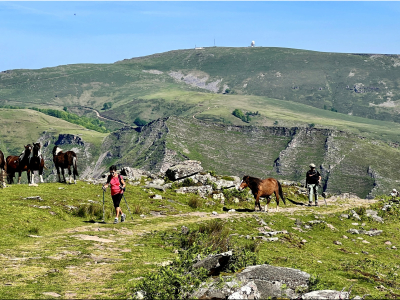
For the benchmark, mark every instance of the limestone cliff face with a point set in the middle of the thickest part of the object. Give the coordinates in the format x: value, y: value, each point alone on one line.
x: 347, y: 163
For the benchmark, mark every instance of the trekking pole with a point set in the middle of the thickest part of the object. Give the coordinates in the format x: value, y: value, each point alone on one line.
x: 103, y: 204
x: 128, y: 206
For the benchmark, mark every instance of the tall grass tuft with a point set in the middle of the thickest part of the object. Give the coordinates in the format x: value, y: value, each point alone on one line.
x: 195, y: 202
x: 94, y: 211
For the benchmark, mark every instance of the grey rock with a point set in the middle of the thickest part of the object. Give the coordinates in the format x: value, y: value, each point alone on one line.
x: 271, y: 239
x: 353, y: 231
x: 355, y: 215
x: 230, y: 289
x: 373, y: 232
x: 344, y: 216
x: 155, y: 186
x: 185, y: 230
x: 274, y: 281
x: 214, y: 263
x: 200, y: 190
x: 34, y: 198
x: 184, y: 169
x: 371, y: 212
x: 325, y: 294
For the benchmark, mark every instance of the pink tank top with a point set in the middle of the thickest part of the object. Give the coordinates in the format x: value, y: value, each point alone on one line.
x: 114, y: 184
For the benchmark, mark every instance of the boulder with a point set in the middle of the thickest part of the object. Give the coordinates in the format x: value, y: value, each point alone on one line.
x: 201, y: 190
x: 374, y: 215
x: 214, y: 263
x: 184, y: 169
x: 326, y: 294
x: 135, y: 174
x: 276, y: 282
x: 230, y: 289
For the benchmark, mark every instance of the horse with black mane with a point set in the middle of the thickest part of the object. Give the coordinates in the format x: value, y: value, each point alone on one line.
x: 18, y: 164
x: 65, y: 161
x: 263, y: 188
x: 36, y: 162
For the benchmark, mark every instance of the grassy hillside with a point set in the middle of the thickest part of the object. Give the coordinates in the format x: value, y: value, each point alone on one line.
x: 51, y: 245
x: 173, y: 83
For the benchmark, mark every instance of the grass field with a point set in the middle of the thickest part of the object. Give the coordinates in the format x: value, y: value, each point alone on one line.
x: 52, y: 246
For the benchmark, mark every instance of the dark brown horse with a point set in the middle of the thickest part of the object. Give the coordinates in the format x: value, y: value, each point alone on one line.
x: 65, y: 161
x: 36, y: 162
x: 18, y: 164
x: 263, y: 188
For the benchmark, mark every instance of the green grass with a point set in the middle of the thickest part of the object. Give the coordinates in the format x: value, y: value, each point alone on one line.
x: 61, y: 261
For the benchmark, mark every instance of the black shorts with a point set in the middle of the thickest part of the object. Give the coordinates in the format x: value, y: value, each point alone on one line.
x: 117, y: 199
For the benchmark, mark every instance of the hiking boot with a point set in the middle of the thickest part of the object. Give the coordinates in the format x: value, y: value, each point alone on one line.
x: 115, y: 220
x: 309, y: 204
x: 316, y: 203
x: 123, y: 217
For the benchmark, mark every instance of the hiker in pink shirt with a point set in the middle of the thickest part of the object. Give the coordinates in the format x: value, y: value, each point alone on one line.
x: 117, y: 186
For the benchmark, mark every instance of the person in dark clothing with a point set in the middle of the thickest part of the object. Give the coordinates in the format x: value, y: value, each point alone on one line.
x: 117, y: 184
x: 313, y: 178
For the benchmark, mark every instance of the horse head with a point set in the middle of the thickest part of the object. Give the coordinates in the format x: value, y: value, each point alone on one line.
x: 36, y: 150
x: 245, y: 183
x: 56, y: 150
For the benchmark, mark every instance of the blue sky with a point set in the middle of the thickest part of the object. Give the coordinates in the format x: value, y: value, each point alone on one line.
x: 35, y: 35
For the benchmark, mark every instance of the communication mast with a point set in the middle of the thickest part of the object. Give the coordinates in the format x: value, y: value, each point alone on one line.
x: 253, y: 43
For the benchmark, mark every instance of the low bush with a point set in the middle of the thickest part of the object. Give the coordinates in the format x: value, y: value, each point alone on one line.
x: 195, y: 202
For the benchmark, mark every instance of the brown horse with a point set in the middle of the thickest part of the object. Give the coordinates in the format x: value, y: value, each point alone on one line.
x: 18, y: 164
x: 65, y: 161
x: 36, y: 162
x: 263, y: 188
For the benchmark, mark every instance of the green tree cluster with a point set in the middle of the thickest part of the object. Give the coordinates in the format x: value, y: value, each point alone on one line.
x: 244, y: 117
x: 89, y: 123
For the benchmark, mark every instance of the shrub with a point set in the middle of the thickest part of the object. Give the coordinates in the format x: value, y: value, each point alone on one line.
x: 139, y: 122
x: 195, y: 202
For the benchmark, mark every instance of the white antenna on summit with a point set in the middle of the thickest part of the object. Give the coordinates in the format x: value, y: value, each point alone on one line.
x: 253, y: 43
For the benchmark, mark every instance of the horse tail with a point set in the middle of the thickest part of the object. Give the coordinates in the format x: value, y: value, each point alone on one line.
x: 280, y: 192
x: 75, y: 167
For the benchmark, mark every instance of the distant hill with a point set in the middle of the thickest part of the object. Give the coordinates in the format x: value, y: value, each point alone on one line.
x: 176, y: 83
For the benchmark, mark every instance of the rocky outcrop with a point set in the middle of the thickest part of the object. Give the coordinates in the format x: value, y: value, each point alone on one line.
x: 260, y: 282
x: 325, y: 294
x: 69, y: 139
x: 184, y: 169
x: 214, y: 263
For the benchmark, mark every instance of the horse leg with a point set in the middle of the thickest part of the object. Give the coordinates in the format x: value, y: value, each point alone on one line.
x: 41, y: 175
x: 257, y: 202
x: 70, y: 174
x: 32, y: 177
x: 268, y: 201
x: 62, y: 172
x: 277, y: 200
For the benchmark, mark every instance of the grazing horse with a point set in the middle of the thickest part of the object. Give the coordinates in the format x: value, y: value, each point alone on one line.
x: 263, y: 188
x: 18, y: 164
x: 65, y: 161
x: 36, y: 162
